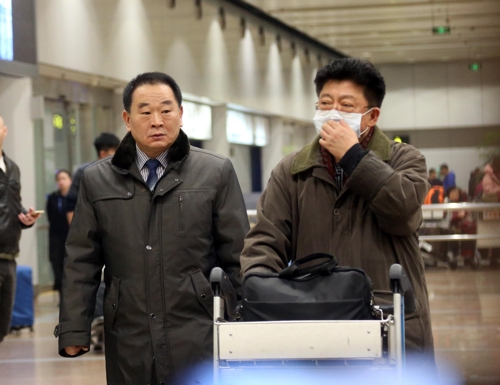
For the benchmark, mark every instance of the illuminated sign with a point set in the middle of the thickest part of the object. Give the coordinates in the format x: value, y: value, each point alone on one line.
x: 6, y: 31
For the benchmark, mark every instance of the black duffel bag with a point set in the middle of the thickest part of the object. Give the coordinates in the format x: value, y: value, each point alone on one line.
x: 324, y: 291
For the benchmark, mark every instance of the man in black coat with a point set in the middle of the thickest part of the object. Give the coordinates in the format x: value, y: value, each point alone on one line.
x: 13, y: 218
x: 159, y: 215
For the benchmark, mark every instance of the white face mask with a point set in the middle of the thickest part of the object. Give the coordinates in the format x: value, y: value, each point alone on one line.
x: 353, y: 119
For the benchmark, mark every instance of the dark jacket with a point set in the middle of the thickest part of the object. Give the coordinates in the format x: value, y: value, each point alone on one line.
x: 10, y: 208
x: 56, y: 215
x: 370, y: 224
x: 158, y: 249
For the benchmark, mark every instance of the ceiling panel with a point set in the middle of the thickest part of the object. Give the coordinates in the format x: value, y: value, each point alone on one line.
x: 396, y: 31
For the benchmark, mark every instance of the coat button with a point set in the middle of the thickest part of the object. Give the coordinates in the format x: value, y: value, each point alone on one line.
x: 152, y: 316
x: 149, y: 248
x: 129, y: 194
x: 176, y: 179
x: 203, y: 296
x: 336, y: 212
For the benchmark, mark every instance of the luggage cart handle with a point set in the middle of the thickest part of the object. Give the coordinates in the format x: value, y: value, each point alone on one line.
x: 402, y: 285
x: 222, y: 286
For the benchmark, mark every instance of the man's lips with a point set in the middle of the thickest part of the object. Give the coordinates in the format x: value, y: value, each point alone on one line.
x: 154, y: 136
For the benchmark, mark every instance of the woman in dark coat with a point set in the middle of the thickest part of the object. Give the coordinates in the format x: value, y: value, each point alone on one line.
x: 58, y: 225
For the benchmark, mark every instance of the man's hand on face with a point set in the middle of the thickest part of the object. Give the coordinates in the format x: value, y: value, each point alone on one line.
x: 29, y: 218
x: 74, y: 350
x: 337, y: 138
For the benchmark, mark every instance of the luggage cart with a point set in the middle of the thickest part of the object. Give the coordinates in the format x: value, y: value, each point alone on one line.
x: 243, y: 349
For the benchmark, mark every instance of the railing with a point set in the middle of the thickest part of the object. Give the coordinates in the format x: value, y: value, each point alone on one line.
x: 492, y: 209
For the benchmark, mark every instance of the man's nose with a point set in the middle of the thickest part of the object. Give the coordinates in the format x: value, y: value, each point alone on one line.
x: 156, y: 119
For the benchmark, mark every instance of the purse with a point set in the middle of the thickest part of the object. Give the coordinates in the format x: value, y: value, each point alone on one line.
x: 323, y: 291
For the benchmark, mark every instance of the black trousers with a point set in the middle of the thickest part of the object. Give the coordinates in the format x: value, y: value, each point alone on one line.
x: 56, y: 256
x: 7, y: 294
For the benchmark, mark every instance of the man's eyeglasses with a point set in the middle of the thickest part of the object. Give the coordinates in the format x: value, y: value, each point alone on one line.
x: 344, y: 108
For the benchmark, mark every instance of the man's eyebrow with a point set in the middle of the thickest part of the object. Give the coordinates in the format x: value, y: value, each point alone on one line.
x: 166, y: 102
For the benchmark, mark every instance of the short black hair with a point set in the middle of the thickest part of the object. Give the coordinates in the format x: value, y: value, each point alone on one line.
x: 63, y: 171
x: 106, y: 141
x: 151, y: 78
x: 432, y: 170
x: 444, y: 165
x: 361, y: 72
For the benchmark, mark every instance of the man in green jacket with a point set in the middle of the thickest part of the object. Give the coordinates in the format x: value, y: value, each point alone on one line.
x: 352, y: 193
x: 159, y: 215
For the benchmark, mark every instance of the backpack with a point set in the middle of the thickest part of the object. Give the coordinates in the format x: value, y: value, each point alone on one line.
x: 435, y: 195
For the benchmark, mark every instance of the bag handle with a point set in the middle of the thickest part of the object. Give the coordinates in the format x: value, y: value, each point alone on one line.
x: 322, y: 268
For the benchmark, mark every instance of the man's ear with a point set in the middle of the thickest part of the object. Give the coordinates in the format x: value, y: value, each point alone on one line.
x: 374, y: 115
x: 126, y: 119
x: 180, y: 114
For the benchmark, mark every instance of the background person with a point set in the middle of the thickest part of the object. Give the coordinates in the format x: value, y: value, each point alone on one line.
x: 13, y: 218
x: 105, y: 145
x: 447, y: 177
x: 159, y: 215
x: 58, y: 225
x: 433, y: 179
x: 352, y: 193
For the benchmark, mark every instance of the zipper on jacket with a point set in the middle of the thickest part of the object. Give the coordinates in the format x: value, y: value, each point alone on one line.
x: 181, y: 213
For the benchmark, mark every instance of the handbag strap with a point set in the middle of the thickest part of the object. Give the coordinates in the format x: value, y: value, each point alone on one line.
x: 324, y: 268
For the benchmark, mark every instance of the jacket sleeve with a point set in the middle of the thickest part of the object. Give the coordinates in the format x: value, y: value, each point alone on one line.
x: 268, y: 245
x: 81, y: 277
x: 395, y: 190
x: 230, y: 223
x: 73, y: 192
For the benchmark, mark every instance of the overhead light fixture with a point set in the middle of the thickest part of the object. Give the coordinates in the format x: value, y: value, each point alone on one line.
x: 442, y: 30
x: 475, y: 67
x: 243, y: 27
x: 198, y: 11
x: 278, y: 42
x: 222, y: 18
x: 262, y: 36
x: 307, y: 55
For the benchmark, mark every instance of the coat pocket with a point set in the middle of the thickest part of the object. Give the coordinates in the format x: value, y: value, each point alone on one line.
x: 203, y: 292
x: 111, y: 302
x: 194, y: 218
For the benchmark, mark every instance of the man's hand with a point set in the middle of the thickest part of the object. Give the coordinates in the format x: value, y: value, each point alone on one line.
x: 29, y: 218
x: 74, y: 350
x: 337, y: 138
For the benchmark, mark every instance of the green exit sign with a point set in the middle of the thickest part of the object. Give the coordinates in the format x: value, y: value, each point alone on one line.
x: 475, y: 66
x: 443, y: 30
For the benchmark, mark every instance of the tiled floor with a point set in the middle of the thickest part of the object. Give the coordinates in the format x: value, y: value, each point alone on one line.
x: 465, y: 313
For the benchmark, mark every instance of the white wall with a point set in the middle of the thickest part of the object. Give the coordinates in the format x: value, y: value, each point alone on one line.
x: 121, y: 38
x: 460, y: 160
x: 15, y: 107
x: 440, y: 95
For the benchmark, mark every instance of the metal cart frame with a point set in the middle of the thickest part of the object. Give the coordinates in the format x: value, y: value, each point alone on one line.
x: 240, y: 346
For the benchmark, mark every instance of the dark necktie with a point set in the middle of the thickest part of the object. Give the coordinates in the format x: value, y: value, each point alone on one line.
x: 152, y: 164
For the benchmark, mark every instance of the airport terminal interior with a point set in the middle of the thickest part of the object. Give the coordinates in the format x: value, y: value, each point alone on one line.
x: 246, y: 71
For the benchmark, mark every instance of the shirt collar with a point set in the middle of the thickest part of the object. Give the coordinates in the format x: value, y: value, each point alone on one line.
x: 142, y: 158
